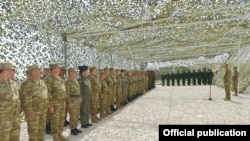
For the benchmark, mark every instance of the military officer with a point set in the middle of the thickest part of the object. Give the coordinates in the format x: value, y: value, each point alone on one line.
x: 227, y: 78
x: 172, y: 75
x: 124, y: 87
x: 189, y: 77
x: 167, y: 76
x: 204, y: 76
x: 162, y: 79
x: 10, y: 105
x: 199, y: 77
x: 63, y: 71
x: 119, y: 89
x: 57, y: 102
x: 178, y: 78
x: 74, y: 100
x: 103, y: 95
x: 45, y: 74
x: 235, y: 80
x: 114, y: 89
x: 85, y: 90
x: 194, y: 77
x: 110, y: 84
x: 35, y: 101
x: 183, y: 77
x: 95, y: 93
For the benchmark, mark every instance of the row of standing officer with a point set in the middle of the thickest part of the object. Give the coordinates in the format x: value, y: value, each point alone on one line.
x: 52, y: 95
x: 200, y: 77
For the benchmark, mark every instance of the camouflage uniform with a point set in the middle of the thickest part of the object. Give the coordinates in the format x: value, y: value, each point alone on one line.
x: 104, y: 98
x: 57, y: 99
x: 9, y: 108
x: 119, y: 92
x: 109, y: 82
x: 130, y: 86
x: 96, y: 89
x: 73, y: 92
x: 227, y: 79
x: 235, y: 81
x: 124, y: 89
x: 35, y: 98
x: 48, y: 127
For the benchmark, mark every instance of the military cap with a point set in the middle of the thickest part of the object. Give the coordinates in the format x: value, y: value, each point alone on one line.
x: 92, y: 68
x: 63, y: 68
x: 82, y: 68
x: 106, y: 68
x: 34, y: 66
x: 46, y: 69
x: 102, y: 72
x: 54, y: 65
x: 72, y: 69
x: 4, y: 66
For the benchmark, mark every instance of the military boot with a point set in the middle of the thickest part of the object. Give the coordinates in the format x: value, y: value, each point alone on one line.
x: 108, y: 111
x: 102, y: 115
x: 93, y: 119
x: 55, y: 137
x: 62, y: 138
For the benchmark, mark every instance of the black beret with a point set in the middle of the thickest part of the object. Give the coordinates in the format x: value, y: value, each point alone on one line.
x: 82, y: 68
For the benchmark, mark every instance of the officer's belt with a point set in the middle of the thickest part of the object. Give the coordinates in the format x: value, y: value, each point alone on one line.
x: 74, y: 95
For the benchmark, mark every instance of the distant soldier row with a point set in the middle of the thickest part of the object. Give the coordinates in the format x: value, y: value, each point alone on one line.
x: 187, y: 78
x: 92, y: 95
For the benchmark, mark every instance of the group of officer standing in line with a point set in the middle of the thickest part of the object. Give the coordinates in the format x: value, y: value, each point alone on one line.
x: 229, y: 79
x: 45, y: 101
x: 196, y: 77
x: 204, y: 78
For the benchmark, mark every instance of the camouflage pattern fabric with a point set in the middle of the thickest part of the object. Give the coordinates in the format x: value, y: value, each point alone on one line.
x: 73, y: 97
x: 57, y: 99
x: 35, y: 102
x: 9, y: 111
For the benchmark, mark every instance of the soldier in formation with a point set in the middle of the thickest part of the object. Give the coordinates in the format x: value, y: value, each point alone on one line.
x: 44, y: 99
x: 163, y: 79
x: 235, y: 81
x: 10, y: 101
x: 227, y: 82
x: 95, y: 93
x: 85, y: 92
x: 57, y: 102
x: 74, y: 100
x: 103, y: 95
x: 192, y: 78
x: 167, y: 76
x: 35, y: 102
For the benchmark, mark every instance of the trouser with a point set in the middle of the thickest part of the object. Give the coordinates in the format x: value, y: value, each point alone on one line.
x: 74, y: 113
x: 103, y: 104
x: 85, y: 112
x: 58, y: 118
x: 118, y: 97
x: 36, y: 126
x: 163, y: 82
x: 227, y: 90
x: 10, y: 127
x: 94, y: 104
x: 113, y: 97
x: 235, y: 87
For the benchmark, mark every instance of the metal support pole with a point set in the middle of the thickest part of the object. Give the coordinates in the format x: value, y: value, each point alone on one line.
x: 238, y: 60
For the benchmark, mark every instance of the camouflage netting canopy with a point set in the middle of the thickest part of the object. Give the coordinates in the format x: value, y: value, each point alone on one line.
x: 169, y: 32
x: 143, y: 30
